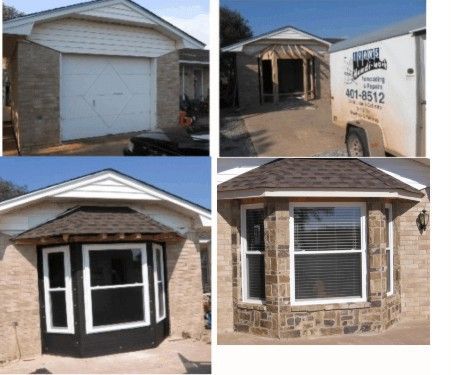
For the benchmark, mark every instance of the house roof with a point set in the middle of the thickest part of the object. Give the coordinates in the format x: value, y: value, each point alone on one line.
x: 316, y: 177
x: 23, y: 25
x: 122, y: 186
x: 408, y: 26
x: 237, y: 47
x: 86, y: 220
x: 192, y: 55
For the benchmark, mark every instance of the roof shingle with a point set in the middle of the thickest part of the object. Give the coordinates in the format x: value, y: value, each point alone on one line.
x: 97, y: 220
x: 339, y: 174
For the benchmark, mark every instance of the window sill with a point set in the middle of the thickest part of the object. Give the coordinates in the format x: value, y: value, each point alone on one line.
x: 251, y: 306
x: 331, y: 306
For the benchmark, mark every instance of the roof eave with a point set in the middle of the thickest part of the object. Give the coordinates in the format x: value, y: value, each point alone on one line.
x: 320, y: 193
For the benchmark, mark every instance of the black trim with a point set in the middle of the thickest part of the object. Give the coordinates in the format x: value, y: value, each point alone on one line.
x: 81, y: 344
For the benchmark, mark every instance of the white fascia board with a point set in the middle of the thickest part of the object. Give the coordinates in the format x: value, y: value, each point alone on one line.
x: 238, y: 47
x: 316, y: 194
x: 24, y: 25
x: 63, y: 191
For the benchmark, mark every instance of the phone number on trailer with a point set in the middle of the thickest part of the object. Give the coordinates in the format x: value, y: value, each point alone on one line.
x: 369, y: 96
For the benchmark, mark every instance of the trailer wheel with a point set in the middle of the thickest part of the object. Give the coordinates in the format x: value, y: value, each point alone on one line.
x: 356, y: 143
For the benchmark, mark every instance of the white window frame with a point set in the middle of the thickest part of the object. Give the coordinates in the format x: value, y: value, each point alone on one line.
x: 158, y: 248
x: 87, y: 286
x: 362, y: 251
x: 67, y: 289
x: 389, y: 246
x: 244, y: 253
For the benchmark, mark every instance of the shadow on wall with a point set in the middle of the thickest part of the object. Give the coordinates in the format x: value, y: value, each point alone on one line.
x: 193, y: 367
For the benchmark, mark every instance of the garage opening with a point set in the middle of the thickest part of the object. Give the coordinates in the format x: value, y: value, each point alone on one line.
x: 290, y: 76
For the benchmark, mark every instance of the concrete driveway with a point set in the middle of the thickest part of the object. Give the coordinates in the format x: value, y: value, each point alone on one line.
x: 402, y: 333
x: 171, y: 357
x: 290, y: 128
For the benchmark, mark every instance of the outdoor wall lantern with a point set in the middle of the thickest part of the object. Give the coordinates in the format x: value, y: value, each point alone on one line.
x: 422, y: 221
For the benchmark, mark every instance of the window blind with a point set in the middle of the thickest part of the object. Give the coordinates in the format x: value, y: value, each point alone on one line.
x: 328, y: 252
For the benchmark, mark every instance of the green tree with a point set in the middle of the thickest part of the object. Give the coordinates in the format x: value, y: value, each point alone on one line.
x: 10, y: 190
x: 9, y: 12
x: 233, y: 27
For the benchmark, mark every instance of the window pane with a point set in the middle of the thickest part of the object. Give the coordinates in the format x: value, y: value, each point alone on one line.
x: 389, y: 265
x: 56, y: 270
x: 326, y: 228
x: 58, y: 306
x: 115, y: 267
x: 328, y: 276
x: 161, y: 306
x: 158, y: 265
x: 256, y: 276
x: 254, y: 230
x: 113, y: 306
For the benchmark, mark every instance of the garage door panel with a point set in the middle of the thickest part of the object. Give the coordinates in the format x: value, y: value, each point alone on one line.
x: 104, y: 95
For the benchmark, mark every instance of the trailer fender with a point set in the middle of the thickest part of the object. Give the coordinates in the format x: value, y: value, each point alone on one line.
x: 371, y: 136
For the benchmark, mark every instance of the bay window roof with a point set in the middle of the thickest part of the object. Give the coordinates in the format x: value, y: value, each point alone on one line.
x: 317, y: 178
x: 97, y: 220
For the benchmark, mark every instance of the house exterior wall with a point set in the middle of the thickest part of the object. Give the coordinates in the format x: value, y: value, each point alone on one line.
x: 168, y: 90
x: 19, y: 298
x: 36, y: 96
x: 278, y: 318
x: 185, y: 287
x: 414, y: 263
x: 72, y: 35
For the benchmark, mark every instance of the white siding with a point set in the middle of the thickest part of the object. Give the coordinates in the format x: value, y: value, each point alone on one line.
x: 120, y: 12
x: 93, y: 37
x: 290, y: 34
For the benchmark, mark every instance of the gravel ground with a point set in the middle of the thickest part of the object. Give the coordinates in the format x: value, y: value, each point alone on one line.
x: 235, y: 140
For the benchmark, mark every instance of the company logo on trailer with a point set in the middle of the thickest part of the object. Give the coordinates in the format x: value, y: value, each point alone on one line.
x: 365, y: 61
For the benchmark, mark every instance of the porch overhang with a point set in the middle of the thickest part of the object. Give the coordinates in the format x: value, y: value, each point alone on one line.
x: 93, y: 224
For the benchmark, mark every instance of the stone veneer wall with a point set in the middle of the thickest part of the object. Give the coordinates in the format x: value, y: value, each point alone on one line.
x: 19, y: 302
x: 277, y: 318
x: 35, y: 76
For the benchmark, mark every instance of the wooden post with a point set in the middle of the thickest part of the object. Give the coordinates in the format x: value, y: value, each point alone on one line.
x: 304, y: 68
x: 275, y: 77
x: 312, y: 77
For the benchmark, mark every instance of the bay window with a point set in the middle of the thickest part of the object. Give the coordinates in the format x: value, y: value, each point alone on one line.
x: 253, y: 253
x: 116, y: 289
x: 328, y: 253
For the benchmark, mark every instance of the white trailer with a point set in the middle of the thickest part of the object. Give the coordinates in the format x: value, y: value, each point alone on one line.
x: 378, y: 90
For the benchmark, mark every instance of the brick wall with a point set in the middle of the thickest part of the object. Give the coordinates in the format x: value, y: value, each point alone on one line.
x: 19, y: 298
x: 185, y: 287
x: 247, y: 78
x: 414, y: 259
x: 277, y: 318
x: 168, y: 90
x: 36, y: 100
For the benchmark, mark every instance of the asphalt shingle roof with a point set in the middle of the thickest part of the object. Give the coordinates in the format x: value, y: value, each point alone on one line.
x: 86, y: 220
x: 339, y: 174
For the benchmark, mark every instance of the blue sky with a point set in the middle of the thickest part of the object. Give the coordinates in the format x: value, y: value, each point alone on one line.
x: 186, y: 177
x: 193, y: 19
x: 326, y: 18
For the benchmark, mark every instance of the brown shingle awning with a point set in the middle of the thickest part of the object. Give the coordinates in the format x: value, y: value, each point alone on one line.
x: 93, y: 223
x: 317, y: 174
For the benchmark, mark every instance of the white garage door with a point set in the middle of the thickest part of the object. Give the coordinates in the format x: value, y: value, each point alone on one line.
x: 105, y: 95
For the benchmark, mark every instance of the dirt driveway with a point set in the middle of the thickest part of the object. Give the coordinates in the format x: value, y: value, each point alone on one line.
x: 402, y: 333
x: 290, y: 128
x: 171, y: 357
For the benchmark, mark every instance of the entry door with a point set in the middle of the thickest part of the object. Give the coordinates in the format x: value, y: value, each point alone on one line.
x: 103, y: 95
x: 160, y: 292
